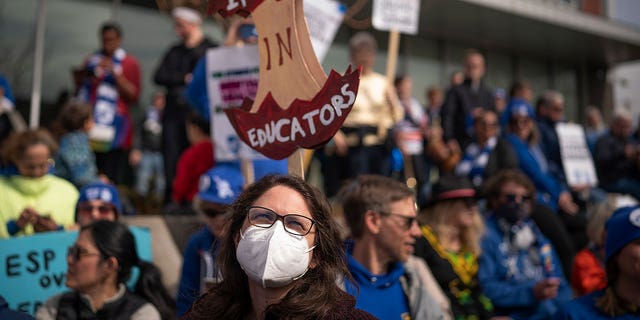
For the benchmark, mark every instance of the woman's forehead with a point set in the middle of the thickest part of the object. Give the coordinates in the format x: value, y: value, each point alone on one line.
x: 283, y: 200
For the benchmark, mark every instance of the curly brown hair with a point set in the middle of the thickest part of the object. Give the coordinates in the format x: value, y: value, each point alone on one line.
x: 311, y: 297
x: 493, y: 186
x: 18, y: 143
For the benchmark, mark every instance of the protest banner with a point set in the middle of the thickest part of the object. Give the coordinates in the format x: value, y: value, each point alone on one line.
x: 396, y: 15
x: 33, y: 268
x: 232, y: 76
x: 324, y: 18
x: 296, y: 104
x: 579, y: 169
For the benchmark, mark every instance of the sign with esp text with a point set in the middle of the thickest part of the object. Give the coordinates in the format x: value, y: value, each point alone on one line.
x: 33, y: 268
x: 396, y: 15
x: 579, y: 169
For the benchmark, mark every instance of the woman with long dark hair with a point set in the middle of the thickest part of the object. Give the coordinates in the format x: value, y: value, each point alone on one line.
x: 281, y: 259
x: 99, y: 265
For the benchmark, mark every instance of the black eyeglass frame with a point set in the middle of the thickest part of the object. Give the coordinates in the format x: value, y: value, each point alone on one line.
x: 76, y: 253
x: 281, y: 218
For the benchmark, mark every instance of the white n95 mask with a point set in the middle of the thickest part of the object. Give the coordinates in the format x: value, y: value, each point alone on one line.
x: 271, y: 256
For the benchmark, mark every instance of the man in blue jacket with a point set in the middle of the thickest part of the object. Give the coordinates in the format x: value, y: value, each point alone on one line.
x: 519, y: 269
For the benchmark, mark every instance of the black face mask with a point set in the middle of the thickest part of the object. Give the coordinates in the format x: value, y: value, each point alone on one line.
x: 513, y: 211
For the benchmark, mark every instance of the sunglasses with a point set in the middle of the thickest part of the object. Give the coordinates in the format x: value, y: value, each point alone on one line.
x: 103, y: 209
x: 517, y: 198
x: 211, y: 213
x: 76, y: 253
x: 408, y: 221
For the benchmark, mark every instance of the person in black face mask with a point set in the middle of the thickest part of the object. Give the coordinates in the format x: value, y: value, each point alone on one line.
x: 519, y: 269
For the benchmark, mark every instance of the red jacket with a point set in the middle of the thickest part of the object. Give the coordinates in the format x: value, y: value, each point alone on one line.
x: 588, y: 274
x: 193, y: 162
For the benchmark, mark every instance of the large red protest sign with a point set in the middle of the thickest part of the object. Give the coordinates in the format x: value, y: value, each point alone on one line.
x: 297, y: 105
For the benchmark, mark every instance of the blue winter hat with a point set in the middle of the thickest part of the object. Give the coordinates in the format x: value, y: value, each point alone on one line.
x: 516, y: 107
x: 100, y: 191
x: 222, y: 184
x: 623, y: 227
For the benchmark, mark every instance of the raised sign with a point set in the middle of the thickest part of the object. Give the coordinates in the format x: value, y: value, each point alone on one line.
x: 33, y: 268
x: 579, y: 169
x: 296, y: 104
x: 396, y: 15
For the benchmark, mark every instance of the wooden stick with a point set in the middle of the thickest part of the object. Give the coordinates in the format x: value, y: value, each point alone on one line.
x: 295, y: 163
x: 246, y: 167
x: 392, y: 55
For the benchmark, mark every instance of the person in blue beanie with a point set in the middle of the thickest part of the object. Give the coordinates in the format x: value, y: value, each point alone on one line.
x: 218, y: 188
x: 621, y: 298
x: 98, y: 201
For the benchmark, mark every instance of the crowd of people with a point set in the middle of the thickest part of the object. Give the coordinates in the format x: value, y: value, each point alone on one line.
x: 458, y: 209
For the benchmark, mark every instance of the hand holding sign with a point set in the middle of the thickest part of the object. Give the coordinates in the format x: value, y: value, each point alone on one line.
x: 291, y: 76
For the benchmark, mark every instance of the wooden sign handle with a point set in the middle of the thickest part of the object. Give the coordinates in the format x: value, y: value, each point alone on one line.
x: 392, y: 56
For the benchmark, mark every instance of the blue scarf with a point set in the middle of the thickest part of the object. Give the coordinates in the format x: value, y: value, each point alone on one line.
x: 105, y: 101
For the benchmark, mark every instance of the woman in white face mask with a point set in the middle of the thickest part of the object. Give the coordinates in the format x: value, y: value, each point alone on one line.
x: 281, y: 258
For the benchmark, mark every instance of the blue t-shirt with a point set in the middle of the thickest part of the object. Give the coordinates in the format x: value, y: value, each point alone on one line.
x: 585, y: 308
x: 380, y: 295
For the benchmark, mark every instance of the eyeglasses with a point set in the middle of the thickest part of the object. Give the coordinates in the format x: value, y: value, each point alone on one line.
x: 488, y: 124
x: 408, y: 221
x: 76, y: 253
x: 103, y: 209
x: 293, y: 223
x: 513, y: 198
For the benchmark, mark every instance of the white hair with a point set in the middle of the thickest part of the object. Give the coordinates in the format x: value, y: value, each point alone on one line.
x: 187, y: 14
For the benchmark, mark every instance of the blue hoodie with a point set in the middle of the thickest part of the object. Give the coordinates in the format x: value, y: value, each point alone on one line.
x: 380, y: 295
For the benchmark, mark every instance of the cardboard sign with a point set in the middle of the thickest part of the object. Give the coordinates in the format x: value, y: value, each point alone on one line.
x: 576, y: 158
x: 33, y: 268
x: 277, y: 133
x: 396, y: 15
x: 232, y: 76
x: 296, y: 104
x: 324, y: 18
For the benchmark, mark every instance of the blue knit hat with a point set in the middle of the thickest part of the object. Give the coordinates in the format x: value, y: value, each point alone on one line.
x: 516, y: 107
x: 222, y: 184
x: 100, y: 191
x: 623, y: 227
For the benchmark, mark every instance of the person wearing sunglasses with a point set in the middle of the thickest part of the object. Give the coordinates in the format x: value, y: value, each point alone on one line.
x: 450, y: 244
x: 381, y: 214
x: 98, y: 265
x: 519, y: 268
x: 281, y: 258
x: 98, y: 201
x: 218, y: 188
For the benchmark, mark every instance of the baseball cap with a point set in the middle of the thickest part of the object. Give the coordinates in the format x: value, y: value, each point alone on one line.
x: 100, y: 191
x: 221, y: 184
